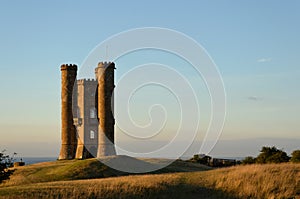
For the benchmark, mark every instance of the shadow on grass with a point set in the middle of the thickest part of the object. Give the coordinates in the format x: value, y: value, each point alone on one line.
x: 177, y: 191
x: 185, y: 191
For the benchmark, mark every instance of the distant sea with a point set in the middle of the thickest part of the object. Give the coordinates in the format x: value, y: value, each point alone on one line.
x: 33, y: 160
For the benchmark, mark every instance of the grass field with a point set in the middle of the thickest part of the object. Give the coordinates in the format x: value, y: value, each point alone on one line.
x: 64, y: 179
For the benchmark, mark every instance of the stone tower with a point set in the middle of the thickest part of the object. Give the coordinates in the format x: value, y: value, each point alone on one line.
x: 105, y: 77
x: 68, y: 130
x: 85, y: 119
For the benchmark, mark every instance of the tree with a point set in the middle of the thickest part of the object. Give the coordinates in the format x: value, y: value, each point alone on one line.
x: 248, y: 160
x: 272, y: 155
x: 295, y: 156
x: 202, y: 159
x: 5, y: 163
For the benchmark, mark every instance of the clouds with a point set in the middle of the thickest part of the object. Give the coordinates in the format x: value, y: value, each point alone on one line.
x: 254, y: 98
x: 261, y: 60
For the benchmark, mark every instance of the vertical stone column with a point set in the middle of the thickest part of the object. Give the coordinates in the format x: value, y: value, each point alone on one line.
x: 105, y: 77
x: 68, y: 130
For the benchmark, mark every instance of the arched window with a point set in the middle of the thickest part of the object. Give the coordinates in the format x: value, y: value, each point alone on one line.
x: 92, y: 113
x: 92, y: 134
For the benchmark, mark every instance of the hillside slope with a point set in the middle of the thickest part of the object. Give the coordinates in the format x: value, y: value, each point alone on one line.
x: 63, y: 170
x: 251, y: 181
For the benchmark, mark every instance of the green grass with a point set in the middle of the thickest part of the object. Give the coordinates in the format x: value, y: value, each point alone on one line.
x: 68, y: 179
x: 63, y: 170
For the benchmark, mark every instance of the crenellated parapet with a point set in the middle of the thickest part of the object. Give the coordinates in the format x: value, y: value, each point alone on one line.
x: 68, y: 67
x: 106, y: 64
x: 86, y: 81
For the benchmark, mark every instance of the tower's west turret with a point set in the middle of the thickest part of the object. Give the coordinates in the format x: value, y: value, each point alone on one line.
x: 68, y: 131
x: 105, y: 77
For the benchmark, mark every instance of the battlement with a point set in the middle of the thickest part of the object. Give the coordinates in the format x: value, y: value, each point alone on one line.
x: 106, y: 64
x: 86, y: 81
x: 68, y: 67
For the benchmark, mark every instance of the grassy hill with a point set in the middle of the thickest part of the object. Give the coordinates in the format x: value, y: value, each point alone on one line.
x: 63, y: 170
x: 68, y: 179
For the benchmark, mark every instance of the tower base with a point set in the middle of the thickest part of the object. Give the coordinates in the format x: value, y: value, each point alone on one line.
x: 106, y: 150
x: 67, y: 152
x: 86, y: 151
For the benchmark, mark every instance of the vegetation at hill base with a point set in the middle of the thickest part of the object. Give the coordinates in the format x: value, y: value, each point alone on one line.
x: 272, y: 155
x: 205, y: 159
x: 5, y: 163
x: 295, y: 156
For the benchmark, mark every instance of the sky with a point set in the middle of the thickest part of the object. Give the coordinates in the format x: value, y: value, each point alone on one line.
x: 255, y: 45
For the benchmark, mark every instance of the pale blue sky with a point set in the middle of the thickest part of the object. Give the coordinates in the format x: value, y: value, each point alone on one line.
x: 255, y: 45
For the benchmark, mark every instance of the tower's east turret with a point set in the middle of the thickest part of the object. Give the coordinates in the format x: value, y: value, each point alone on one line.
x: 105, y: 77
x: 68, y: 130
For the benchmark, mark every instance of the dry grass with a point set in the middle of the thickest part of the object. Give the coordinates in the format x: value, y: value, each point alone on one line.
x: 256, y: 181
x: 144, y: 186
x: 252, y: 181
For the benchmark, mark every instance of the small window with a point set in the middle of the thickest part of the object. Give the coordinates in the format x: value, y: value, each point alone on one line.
x: 92, y: 134
x: 92, y: 113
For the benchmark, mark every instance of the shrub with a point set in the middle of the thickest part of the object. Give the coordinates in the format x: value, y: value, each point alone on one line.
x: 272, y: 155
x: 248, y: 160
x: 5, y: 163
x: 295, y: 156
x: 205, y: 159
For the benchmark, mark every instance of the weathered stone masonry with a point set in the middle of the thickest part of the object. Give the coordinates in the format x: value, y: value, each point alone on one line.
x: 68, y: 130
x: 105, y: 77
x: 77, y: 108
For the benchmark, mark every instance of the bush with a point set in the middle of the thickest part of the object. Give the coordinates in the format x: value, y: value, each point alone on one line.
x: 272, y: 155
x: 248, y: 160
x: 205, y: 159
x: 295, y: 156
x: 5, y: 163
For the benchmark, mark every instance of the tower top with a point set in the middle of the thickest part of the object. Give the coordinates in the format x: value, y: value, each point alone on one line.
x: 106, y: 64
x: 86, y: 81
x: 68, y: 67
x: 102, y: 66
